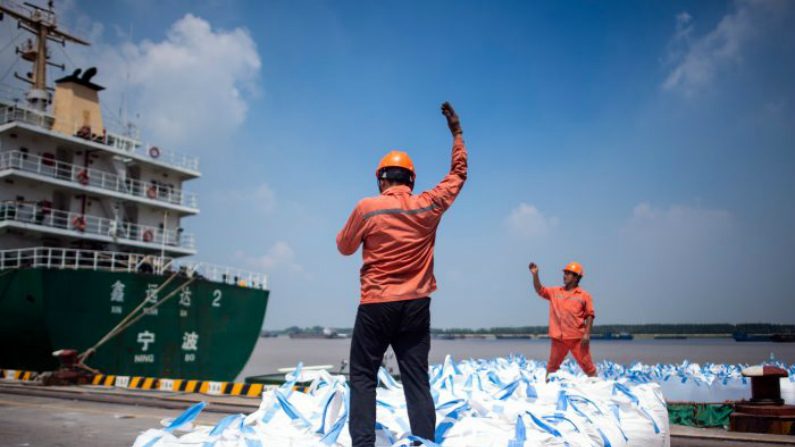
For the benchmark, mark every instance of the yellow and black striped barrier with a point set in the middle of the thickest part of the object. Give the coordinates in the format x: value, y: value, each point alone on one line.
x: 13, y: 374
x: 159, y: 384
x: 183, y: 385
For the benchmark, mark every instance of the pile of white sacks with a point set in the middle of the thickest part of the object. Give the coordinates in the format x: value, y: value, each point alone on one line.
x: 693, y: 382
x: 501, y: 402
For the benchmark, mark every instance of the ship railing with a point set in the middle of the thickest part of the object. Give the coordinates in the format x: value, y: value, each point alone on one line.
x: 122, y: 143
x: 152, y: 152
x: 228, y: 275
x: 41, y: 215
x: 10, y: 112
x: 60, y: 170
x: 134, y: 146
x: 76, y: 259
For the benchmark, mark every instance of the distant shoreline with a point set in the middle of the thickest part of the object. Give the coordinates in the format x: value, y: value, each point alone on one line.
x: 639, y: 331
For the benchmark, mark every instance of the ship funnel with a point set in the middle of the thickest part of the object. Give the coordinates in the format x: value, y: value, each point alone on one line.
x: 76, y: 105
x: 90, y: 73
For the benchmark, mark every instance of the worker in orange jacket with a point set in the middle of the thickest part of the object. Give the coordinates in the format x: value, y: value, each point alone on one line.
x: 571, y: 317
x: 397, y: 230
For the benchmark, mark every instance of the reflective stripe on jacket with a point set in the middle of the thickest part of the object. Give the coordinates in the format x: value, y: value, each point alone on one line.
x: 398, y: 230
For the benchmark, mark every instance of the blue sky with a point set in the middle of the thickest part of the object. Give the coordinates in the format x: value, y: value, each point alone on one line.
x: 652, y: 141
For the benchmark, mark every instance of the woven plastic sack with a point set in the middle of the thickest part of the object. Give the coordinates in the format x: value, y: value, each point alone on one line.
x: 788, y: 388
x: 500, y: 402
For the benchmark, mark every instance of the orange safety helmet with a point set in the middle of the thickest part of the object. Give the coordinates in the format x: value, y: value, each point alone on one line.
x: 396, y: 159
x: 574, y: 267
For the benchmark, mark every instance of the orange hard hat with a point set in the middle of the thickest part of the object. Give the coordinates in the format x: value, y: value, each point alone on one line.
x: 574, y: 267
x: 396, y: 159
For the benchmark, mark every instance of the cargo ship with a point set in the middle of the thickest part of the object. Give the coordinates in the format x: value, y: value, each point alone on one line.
x: 746, y: 337
x: 91, y: 239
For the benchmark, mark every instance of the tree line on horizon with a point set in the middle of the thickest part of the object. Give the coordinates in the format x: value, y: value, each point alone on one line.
x: 668, y: 329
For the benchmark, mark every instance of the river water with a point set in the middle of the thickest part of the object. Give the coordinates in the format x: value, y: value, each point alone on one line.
x: 280, y: 352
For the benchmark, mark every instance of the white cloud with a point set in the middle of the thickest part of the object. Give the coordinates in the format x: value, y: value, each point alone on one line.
x: 279, y: 255
x: 528, y: 222
x: 186, y: 92
x: 191, y: 88
x: 696, y: 61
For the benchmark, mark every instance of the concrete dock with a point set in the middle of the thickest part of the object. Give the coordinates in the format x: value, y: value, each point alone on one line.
x: 88, y: 416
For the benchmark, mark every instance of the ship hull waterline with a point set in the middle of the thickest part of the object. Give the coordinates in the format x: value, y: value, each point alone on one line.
x: 206, y: 330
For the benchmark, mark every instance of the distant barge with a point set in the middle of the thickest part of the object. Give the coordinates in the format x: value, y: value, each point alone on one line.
x: 778, y: 338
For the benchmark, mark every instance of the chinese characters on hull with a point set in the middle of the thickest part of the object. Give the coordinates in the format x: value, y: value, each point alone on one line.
x: 151, y: 298
x: 116, y: 297
x: 184, y: 301
x: 145, y: 338
x: 190, y: 342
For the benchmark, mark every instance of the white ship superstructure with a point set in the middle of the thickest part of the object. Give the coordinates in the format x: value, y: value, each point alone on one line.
x: 75, y: 194
x: 69, y: 182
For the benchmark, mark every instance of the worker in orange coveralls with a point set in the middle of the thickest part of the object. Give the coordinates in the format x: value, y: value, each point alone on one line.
x: 570, y: 319
x: 397, y: 230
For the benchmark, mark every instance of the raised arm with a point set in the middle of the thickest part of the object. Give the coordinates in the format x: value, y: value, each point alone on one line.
x: 540, y: 289
x: 458, y: 164
x: 443, y: 194
x: 453, y: 122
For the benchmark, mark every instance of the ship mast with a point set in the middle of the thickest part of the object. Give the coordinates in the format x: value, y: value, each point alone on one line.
x: 43, y: 24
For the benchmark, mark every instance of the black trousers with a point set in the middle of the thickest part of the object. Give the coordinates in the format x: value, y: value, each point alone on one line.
x: 405, y: 325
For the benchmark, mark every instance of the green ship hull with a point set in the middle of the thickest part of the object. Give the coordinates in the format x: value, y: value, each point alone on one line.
x: 206, y: 330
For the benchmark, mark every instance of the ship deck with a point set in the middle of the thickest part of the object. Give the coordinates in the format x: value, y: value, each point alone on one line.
x: 106, y: 416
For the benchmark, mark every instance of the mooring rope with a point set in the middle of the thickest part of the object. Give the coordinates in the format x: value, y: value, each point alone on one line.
x: 131, y: 318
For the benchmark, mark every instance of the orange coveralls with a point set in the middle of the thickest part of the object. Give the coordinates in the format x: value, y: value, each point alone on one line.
x: 398, y: 230
x: 567, y: 313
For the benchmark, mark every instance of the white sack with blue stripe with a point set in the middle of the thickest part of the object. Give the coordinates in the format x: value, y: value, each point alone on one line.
x: 503, y: 402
